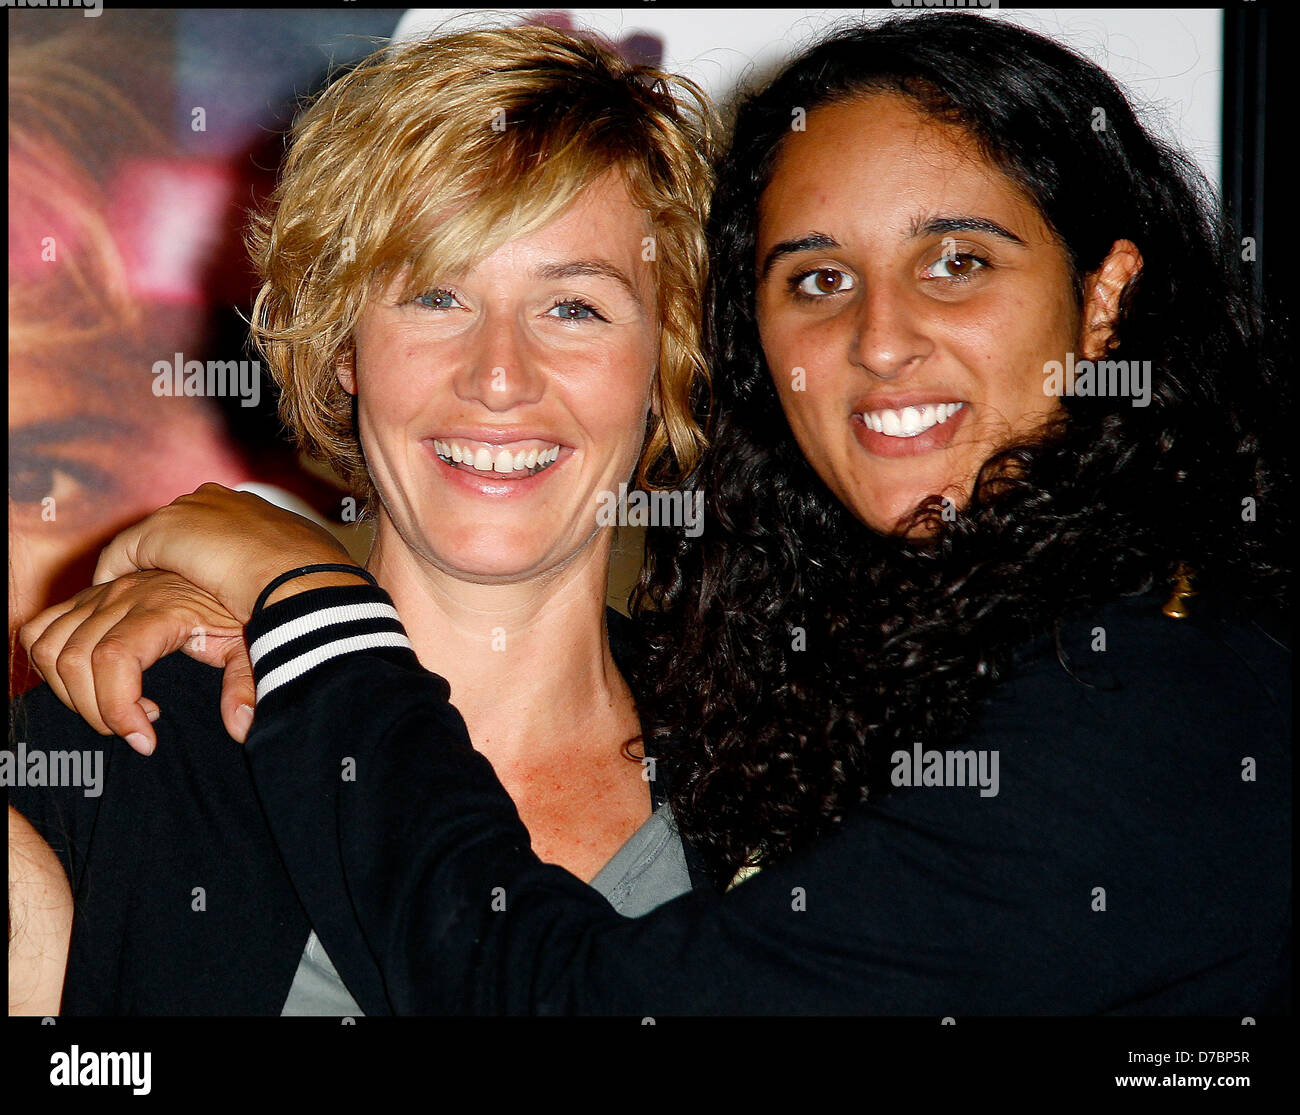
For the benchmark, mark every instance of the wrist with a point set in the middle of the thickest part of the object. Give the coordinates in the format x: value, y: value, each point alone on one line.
x: 289, y: 640
x: 279, y: 583
x: 309, y: 581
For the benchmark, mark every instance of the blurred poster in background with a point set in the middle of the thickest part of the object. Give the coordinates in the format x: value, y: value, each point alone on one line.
x: 139, y: 139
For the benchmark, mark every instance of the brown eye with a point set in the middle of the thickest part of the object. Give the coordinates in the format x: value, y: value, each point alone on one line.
x: 825, y: 280
x: 958, y: 267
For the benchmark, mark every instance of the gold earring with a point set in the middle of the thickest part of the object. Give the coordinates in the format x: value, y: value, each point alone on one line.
x: 1176, y: 607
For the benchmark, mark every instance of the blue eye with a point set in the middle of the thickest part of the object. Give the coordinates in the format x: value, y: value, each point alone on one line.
x: 439, y: 300
x: 574, y: 309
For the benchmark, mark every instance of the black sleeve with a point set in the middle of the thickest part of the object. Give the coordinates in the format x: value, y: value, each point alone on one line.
x: 1122, y: 864
x: 182, y: 905
x: 46, y: 742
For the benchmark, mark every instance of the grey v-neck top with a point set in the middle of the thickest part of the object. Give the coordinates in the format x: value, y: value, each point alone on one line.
x: 646, y: 871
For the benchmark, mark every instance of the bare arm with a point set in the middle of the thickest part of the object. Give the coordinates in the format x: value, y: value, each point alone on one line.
x: 40, y: 922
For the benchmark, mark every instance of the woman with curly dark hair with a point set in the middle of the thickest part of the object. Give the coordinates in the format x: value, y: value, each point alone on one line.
x: 918, y: 561
x: 985, y: 389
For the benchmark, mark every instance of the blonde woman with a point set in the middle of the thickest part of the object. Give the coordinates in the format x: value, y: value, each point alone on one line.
x: 482, y: 271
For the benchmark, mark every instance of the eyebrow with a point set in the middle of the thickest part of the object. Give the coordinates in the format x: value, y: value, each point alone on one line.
x: 814, y: 241
x: 938, y: 226
x: 601, y: 268
x: 68, y: 429
x: 933, y: 226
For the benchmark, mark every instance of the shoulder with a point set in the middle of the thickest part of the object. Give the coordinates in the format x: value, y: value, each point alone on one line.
x: 1152, y: 713
x: 58, y: 767
x: 1132, y: 668
x: 39, y: 717
x: 1122, y: 800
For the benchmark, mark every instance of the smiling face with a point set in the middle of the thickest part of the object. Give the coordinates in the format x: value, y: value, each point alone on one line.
x: 494, y: 409
x: 920, y: 292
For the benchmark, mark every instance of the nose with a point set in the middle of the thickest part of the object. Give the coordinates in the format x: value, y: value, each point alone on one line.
x: 499, y: 371
x: 888, y: 337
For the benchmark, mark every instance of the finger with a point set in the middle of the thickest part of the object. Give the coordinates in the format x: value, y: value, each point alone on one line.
x: 102, y: 610
x: 46, y: 650
x: 35, y: 627
x: 122, y: 554
x: 209, y: 645
x: 238, y: 693
x: 119, y: 660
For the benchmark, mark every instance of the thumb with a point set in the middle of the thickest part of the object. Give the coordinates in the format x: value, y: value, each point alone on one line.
x: 238, y: 693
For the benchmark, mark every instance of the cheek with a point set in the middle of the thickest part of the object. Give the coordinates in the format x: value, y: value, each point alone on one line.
x: 1007, y: 348
x: 614, y: 409
x: 395, y: 386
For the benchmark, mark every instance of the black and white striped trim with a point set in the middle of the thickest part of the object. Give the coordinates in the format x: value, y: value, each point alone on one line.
x: 295, y: 635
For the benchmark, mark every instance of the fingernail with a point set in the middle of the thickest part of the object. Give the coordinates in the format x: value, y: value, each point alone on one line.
x: 139, y: 741
x: 244, y: 718
x: 152, y: 714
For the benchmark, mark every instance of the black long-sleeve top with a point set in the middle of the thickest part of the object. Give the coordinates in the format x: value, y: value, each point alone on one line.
x: 1135, y: 858
x: 182, y: 905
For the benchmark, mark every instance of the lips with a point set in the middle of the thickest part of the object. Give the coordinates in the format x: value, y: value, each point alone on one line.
x: 496, y: 462
x: 478, y: 456
x: 907, y: 427
x: 910, y: 421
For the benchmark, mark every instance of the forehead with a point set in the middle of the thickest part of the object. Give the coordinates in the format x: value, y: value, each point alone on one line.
x: 602, y: 216
x: 879, y: 161
x: 502, y: 228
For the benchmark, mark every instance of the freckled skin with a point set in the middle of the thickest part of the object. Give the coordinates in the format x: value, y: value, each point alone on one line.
x: 896, y: 319
x: 420, y: 371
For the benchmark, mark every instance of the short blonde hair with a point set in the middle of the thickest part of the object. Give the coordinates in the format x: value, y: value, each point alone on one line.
x: 430, y: 155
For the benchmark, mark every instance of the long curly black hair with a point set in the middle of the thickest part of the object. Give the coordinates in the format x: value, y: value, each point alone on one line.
x: 790, y: 647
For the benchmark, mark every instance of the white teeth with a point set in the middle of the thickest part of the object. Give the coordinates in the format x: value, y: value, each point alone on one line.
x: 485, y: 458
x: 910, y: 421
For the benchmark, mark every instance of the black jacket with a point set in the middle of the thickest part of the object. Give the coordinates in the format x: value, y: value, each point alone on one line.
x: 182, y: 902
x: 182, y: 905
x: 1135, y: 859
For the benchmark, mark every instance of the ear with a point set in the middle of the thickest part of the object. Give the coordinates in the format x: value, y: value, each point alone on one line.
x: 1102, y: 290
x: 345, y: 369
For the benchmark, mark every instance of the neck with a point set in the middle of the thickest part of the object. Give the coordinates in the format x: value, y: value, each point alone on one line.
x: 528, y: 662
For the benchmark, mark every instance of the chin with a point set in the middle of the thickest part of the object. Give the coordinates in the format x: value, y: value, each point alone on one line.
x: 881, y: 510
x: 482, y: 553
